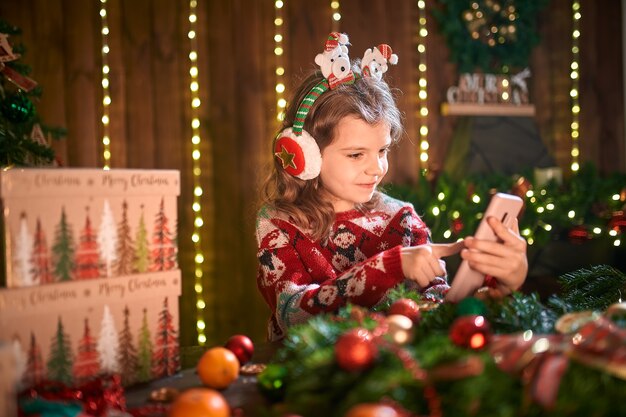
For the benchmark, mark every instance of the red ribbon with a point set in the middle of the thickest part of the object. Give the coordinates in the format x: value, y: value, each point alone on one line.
x: 542, y: 360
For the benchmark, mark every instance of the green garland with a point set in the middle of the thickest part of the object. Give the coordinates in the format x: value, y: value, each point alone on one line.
x: 304, y: 377
x: 586, y: 203
x: 495, y: 36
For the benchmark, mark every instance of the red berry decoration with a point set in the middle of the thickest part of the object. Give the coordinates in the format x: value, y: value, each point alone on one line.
x: 241, y: 346
x: 355, y: 350
x: 470, y: 332
x: 406, y: 307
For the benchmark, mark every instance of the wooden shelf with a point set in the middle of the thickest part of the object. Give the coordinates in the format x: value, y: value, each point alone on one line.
x: 474, y: 109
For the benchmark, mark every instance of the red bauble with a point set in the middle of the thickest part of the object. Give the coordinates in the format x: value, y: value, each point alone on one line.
x: 406, y: 307
x: 355, y: 350
x: 521, y: 187
x: 470, y: 332
x: 241, y: 346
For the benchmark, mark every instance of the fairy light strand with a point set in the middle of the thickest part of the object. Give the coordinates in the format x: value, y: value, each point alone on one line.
x: 279, y: 50
x: 106, y: 96
x: 196, y: 156
x: 574, y: 92
x: 335, y: 9
x: 422, y: 114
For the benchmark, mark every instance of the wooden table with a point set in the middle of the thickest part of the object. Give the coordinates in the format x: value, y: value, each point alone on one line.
x: 242, y: 394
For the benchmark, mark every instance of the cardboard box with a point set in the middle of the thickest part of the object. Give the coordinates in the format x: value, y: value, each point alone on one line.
x: 72, y: 331
x: 8, y: 388
x: 70, y: 224
x: 91, y: 273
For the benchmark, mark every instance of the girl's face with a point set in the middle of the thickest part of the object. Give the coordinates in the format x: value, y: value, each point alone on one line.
x: 355, y: 162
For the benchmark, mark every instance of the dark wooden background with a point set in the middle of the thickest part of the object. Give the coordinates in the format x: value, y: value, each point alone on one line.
x: 150, y: 110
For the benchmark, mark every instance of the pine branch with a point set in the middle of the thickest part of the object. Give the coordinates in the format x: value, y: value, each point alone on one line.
x: 594, y: 288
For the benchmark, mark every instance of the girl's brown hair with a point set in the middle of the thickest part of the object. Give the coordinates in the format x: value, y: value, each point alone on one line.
x: 304, y: 201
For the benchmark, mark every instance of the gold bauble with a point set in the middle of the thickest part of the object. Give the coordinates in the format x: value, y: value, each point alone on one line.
x: 400, y: 329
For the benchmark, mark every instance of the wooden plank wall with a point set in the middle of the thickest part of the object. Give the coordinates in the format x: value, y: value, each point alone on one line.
x: 150, y: 113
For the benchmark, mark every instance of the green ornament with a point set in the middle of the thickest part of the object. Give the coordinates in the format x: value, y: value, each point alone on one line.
x: 271, y: 381
x: 17, y: 108
x: 471, y: 306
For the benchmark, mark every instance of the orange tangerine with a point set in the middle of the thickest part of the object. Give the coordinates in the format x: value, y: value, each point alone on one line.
x: 218, y: 367
x: 200, y: 402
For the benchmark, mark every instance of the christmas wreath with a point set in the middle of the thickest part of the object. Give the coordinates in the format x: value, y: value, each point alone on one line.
x: 495, y: 36
x: 515, y: 356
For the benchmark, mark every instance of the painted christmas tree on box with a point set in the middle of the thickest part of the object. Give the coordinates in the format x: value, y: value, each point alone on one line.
x: 71, y: 332
x: 125, y: 222
x: 91, y: 273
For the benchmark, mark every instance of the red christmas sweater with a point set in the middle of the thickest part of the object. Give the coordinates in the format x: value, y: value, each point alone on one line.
x: 300, y: 277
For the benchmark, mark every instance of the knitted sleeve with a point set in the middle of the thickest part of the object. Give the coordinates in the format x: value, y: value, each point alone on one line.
x: 420, y: 234
x: 288, y: 286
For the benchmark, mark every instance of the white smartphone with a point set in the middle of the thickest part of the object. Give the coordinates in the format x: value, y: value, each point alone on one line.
x: 505, y: 207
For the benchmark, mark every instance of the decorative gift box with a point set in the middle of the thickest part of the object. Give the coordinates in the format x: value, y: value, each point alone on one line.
x: 75, y: 224
x: 72, y: 331
x: 8, y: 368
x: 91, y: 273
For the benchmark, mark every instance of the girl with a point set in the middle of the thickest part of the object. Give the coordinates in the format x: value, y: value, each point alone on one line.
x: 326, y: 236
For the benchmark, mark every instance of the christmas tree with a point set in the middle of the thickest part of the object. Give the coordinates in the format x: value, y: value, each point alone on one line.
x: 63, y: 250
x: 23, y: 255
x: 125, y: 250
x: 163, y: 249
x: 42, y: 270
x: 35, y: 371
x: 166, y: 353
x: 86, y: 365
x: 20, y: 361
x: 127, y: 354
x: 60, y: 361
x: 87, y: 259
x: 23, y: 138
x: 144, y: 372
x: 108, y: 343
x: 141, y: 261
x: 107, y: 238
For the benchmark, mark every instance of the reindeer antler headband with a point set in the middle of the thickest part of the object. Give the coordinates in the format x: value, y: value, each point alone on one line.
x: 295, y: 147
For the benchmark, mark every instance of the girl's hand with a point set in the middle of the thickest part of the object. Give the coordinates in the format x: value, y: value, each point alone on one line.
x: 506, y: 261
x: 423, y: 263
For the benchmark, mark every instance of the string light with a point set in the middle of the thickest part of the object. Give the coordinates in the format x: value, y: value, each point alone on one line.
x: 196, y: 156
x: 574, y: 92
x: 422, y: 95
x: 279, y: 50
x: 106, y: 96
x: 336, y: 14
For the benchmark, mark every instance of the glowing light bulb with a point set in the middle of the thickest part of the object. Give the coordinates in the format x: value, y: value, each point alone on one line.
x: 422, y: 93
x: 196, y: 156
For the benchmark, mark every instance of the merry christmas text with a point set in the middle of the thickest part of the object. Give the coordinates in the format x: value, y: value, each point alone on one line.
x: 490, y: 89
